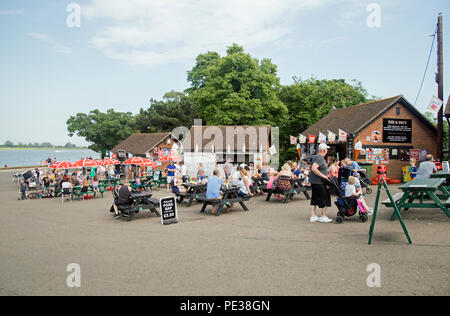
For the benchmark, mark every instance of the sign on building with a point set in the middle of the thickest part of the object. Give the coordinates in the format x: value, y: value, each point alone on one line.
x: 397, y: 131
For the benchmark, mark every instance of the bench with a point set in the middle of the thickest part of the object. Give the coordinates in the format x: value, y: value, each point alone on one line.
x: 396, y: 197
x: 296, y: 188
x: 229, y: 197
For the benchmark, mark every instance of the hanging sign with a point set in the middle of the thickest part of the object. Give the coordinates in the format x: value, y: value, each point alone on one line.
x: 435, y: 105
x: 311, y: 139
x: 302, y: 139
x: 293, y: 140
x: 397, y: 131
x: 342, y: 136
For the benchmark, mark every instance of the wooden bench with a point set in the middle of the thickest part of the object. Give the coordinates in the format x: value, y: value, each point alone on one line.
x: 229, y: 197
x: 396, y: 197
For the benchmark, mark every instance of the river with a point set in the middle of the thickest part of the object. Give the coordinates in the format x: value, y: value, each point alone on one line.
x: 32, y: 157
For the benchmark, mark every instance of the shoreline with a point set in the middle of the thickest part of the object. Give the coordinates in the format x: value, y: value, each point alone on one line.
x: 42, y: 148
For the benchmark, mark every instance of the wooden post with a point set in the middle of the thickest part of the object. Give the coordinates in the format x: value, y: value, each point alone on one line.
x: 440, y: 82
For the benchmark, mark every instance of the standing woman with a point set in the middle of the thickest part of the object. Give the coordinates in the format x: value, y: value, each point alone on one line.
x: 318, y: 179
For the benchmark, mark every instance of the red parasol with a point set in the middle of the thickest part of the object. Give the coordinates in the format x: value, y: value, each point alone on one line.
x: 86, y: 163
x: 61, y: 165
x: 140, y: 162
x: 170, y: 158
x: 109, y: 162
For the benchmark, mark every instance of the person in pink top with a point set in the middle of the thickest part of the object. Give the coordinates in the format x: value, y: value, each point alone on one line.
x: 334, y: 168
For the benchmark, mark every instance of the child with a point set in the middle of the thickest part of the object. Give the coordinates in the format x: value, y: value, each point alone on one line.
x: 23, y: 190
x: 412, y: 168
x: 95, y: 184
x: 350, y: 190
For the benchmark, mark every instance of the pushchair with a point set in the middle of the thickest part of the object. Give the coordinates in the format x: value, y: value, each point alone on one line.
x: 365, y: 181
x: 347, y: 207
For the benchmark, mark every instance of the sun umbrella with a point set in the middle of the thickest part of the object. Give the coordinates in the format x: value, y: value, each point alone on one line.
x: 61, y: 165
x: 86, y: 163
x: 170, y: 158
x: 140, y: 162
x: 109, y: 162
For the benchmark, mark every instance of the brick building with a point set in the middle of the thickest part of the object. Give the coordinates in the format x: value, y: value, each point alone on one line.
x: 391, y: 132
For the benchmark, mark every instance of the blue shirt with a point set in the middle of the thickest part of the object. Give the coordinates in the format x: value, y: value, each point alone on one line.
x: 297, y: 172
x: 355, y: 166
x: 171, y: 170
x: 213, y: 188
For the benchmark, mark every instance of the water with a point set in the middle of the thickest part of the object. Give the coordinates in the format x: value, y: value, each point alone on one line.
x: 19, y: 158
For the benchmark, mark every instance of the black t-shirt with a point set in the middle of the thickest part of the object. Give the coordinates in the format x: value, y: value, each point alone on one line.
x: 124, y: 195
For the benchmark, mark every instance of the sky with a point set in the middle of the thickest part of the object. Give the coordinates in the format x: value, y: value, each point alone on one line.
x: 118, y: 54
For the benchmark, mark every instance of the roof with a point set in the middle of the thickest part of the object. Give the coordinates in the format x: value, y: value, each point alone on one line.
x: 447, y: 108
x: 354, y: 119
x: 253, y: 137
x: 140, y: 144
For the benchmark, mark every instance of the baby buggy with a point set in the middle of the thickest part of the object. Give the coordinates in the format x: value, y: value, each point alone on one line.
x: 365, y: 181
x: 347, y: 207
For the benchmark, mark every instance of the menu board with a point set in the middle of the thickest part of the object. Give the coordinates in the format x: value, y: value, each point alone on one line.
x: 397, y: 131
x: 169, y: 210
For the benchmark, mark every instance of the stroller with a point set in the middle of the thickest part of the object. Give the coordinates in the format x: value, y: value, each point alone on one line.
x: 347, y: 207
x: 365, y: 181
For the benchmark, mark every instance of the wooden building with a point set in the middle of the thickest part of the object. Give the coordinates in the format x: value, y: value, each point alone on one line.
x: 391, y: 132
x: 152, y: 146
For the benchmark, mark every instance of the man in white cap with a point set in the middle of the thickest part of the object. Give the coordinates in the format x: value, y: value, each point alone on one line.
x: 318, y: 179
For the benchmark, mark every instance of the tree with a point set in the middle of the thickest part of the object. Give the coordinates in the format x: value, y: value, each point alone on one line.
x: 310, y: 100
x: 69, y: 145
x: 175, y: 110
x: 102, y: 130
x: 432, y: 118
x: 9, y: 144
x: 47, y: 145
x: 236, y: 89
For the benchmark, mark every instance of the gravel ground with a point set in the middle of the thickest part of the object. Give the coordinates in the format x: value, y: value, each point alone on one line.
x: 269, y: 251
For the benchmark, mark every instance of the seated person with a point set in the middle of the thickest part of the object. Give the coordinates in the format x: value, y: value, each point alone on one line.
x: 236, y: 177
x: 262, y: 173
x: 213, y: 189
x: 351, y: 191
x: 123, y: 197
x: 244, y: 184
x: 177, y: 184
x: 284, y: 184
x: 66, y: 187
x: 296, y: 172
x: 137, y: 182
x: 85, y: 187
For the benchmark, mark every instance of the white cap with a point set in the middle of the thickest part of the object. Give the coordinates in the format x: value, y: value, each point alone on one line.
x: 323, y: 147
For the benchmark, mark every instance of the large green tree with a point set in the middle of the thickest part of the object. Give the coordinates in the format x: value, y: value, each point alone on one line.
x: 310, y: 100
x: 175, y: 110
x: 102, y: 130
x: 236, y: 89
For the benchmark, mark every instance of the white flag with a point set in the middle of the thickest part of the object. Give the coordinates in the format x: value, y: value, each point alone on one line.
x: 322, y: 138
x: 302, y: 139
x: 435, y: 105
x: 331, y: 136
x: 342, y: 136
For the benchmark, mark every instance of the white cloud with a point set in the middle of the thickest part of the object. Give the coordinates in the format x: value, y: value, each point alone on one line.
x: 162, y: 31
x: 53, y: 44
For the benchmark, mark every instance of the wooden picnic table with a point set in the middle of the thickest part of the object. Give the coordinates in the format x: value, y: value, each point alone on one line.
x: 230, y: 196
x: 444, y: 175
x: 193, y: 190
x: 76, y: 191
x: 297, y: 187
x: 426, y: 192
x: 141, y: 201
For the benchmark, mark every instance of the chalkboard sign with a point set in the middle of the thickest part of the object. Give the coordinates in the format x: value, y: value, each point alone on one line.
x: 169, y: 213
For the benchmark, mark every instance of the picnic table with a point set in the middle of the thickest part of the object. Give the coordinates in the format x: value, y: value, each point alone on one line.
x: 230, y: 196
x: 444, y: 175
x: 426, y: 192
x: 141, y: 201
x: 193, y: 190
x: 76, y: 191
x: 297, y: 187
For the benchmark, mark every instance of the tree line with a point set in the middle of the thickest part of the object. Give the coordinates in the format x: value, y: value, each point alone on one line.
x: 235, y: 89
x: 10, y: 144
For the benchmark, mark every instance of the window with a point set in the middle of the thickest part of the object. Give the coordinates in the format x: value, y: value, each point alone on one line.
x: 397, y: 110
